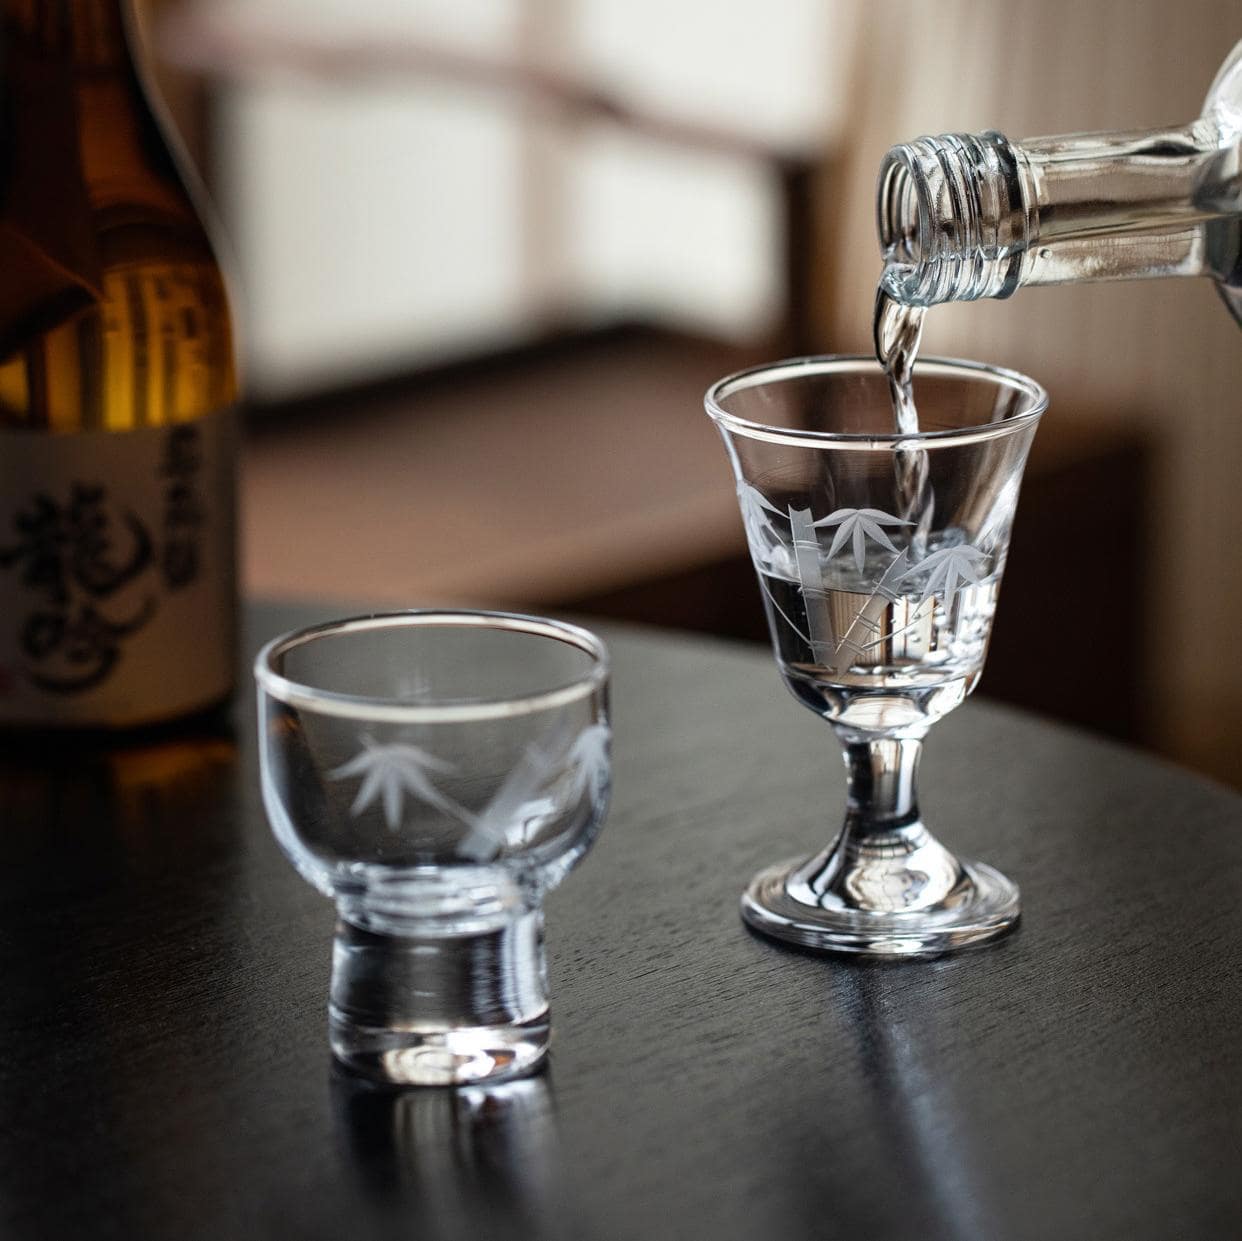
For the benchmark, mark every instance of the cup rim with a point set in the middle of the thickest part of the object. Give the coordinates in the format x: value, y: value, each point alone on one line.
x: 790, y: 368
x: 295, y: 693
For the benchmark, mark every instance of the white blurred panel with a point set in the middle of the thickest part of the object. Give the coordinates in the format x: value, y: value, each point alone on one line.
x: 374, y: 226
x: 472, y: 23
x: 380, y: 222
x: 774, y: 69
x: 674, y: 235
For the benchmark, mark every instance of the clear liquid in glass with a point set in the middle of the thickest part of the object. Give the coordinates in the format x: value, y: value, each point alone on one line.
x: 870, y: 650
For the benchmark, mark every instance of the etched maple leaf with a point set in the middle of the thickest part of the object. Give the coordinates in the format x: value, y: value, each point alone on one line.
x: 948, y: 570
x: 860, y: 524
x: 389, y: 772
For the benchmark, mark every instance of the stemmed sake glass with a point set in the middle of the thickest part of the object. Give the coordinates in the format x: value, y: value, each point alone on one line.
x: 879, y: 558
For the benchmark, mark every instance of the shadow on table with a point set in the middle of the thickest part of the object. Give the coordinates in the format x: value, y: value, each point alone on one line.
x: 915, y: 1146
x: 472, y: 1161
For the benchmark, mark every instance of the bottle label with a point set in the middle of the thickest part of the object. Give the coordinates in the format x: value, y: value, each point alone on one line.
x: 117, y: 571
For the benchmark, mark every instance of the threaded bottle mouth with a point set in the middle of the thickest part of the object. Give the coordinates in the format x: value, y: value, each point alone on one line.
x: 952, y: 218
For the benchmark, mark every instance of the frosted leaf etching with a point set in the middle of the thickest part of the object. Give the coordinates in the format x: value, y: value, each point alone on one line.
x: 948, y: 570
x: 841, y: 617
x: 548, y: 778
x: 391, y: 771
x: 859, y: 525
x: 762, y: 537
x: 529, y: 795
x: 588, y: 758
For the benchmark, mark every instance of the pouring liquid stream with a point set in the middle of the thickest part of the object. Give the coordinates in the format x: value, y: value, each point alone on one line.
x: 897, y: 329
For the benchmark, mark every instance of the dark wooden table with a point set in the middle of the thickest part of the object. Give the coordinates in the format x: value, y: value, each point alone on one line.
x: 164, y: 1069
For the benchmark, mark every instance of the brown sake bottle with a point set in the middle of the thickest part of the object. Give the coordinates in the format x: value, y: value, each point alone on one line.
x: 117, y: 389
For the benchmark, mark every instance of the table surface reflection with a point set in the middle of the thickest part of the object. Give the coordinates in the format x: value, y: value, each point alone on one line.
x: 163, y: 1058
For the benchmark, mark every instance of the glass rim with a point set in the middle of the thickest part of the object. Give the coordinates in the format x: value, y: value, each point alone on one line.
x: 817, y: 364
x: 338, y: 703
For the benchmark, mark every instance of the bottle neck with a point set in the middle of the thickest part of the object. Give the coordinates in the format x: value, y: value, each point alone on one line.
x: 967, y: 216
x: 953, y: 219
x: 87, y: 34
x: 77, y: 109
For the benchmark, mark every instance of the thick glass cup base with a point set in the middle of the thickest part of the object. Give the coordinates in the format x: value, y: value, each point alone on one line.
x: 452, y: 1001
x: 457, y: 1057
x: 981, y: 905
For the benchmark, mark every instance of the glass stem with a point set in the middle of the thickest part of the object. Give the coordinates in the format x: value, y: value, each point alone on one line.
x: 883, y: 784
x: 884, y: 860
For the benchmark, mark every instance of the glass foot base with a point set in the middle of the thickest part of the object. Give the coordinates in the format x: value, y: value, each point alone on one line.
x: 981, y: 905
x: 424, y: 1004
x: 439, y: 1058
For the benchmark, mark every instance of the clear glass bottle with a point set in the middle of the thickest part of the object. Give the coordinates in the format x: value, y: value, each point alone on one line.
x: 117, y: 382
x: 964, y: 216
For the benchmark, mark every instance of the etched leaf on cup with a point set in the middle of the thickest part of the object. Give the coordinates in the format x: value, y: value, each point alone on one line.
x: 391, y: 771
x: 948, y: 570
x: 529, y: 795
x: 857, y: 525
x: 588, y: 759
x: 764, y: 540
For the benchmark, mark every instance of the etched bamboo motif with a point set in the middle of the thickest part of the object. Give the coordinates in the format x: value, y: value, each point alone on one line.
x: 389, y: 772
x: 811, y: 578
x: 860, y: 524
x: 761, y: 536
x: 550, y: 775
x: 837, y: 634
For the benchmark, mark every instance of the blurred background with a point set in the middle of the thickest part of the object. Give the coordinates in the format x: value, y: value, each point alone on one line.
x: 491, y: 252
